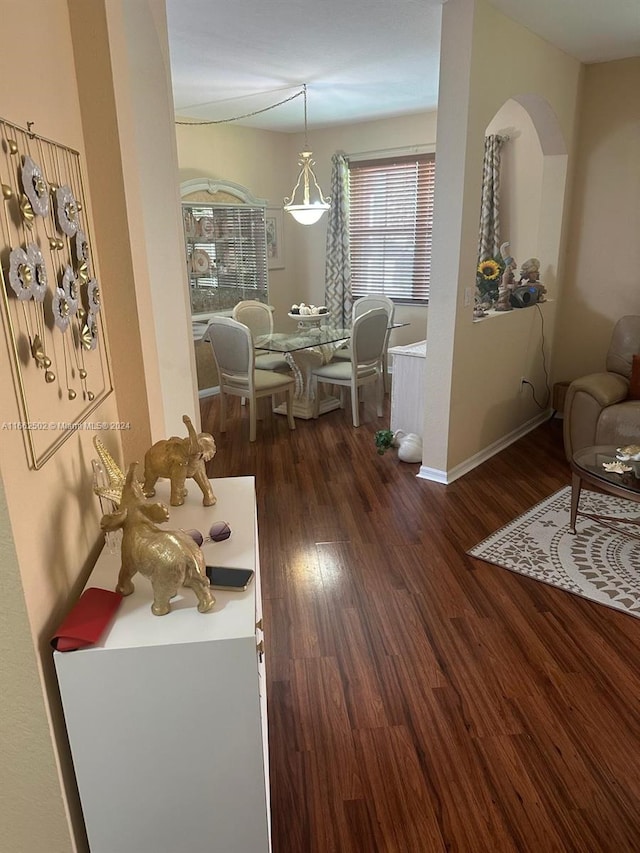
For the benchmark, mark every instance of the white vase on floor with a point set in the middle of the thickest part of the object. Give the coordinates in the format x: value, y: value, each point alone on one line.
x: 409, y: 446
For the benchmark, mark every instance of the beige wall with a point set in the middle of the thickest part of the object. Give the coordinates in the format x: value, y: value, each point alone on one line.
x: 266, y: 163
x: 49, y: 519
x: 473, y: 369
x: 520, y: 179
x: 602, y: 273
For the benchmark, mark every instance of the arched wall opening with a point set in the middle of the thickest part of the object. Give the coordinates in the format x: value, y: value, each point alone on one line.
x: 533, y: 183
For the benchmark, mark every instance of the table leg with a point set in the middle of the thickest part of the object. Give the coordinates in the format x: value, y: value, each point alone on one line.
x: 576, y: 486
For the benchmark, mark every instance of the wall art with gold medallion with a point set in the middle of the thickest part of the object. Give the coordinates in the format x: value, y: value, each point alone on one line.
x: 53, y: 314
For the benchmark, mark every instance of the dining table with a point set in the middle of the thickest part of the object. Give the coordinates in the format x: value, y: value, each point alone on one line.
x: 303, y: 350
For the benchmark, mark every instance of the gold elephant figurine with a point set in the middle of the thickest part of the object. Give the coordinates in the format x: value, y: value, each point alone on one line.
x: 178, y: 458
x: 169, y: 558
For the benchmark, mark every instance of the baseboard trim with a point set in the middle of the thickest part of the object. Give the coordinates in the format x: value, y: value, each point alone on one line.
x: 445, y: 477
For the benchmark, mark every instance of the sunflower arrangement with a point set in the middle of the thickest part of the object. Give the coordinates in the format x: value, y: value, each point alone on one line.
x: 488, y: 276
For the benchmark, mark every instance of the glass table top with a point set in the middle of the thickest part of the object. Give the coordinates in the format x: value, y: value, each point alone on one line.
x: 301, y: 339
x: 593, y: 459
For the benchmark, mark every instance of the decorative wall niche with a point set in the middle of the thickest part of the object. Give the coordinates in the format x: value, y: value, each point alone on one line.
x: 52, y: 311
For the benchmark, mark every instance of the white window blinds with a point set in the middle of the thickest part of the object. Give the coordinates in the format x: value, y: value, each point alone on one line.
x: 391, y: 226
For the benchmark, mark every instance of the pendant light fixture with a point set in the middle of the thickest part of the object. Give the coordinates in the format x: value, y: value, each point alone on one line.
x: 306, y: 203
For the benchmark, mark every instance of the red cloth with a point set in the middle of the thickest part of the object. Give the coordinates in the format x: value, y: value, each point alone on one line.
x: 634, y: 384
x: 87, y: 620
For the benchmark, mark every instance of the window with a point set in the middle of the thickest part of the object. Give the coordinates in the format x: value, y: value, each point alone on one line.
x: 391, y: 225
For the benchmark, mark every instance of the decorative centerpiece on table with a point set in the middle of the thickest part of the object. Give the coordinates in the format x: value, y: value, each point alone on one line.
x: 308, y: 315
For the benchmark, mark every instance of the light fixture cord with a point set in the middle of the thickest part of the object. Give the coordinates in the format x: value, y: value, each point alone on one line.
x: 306, y: 138
x: 302, y: 91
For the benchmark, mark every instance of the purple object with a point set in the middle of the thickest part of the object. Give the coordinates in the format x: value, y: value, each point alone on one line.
x: 219, y: 531
x: 197, y: 537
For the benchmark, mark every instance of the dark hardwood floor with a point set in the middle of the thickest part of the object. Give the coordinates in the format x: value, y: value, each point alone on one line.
x: 419, y: 699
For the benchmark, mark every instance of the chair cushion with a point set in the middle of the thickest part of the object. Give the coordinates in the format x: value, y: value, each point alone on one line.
x: 341, y: 371
x: 264, y: 379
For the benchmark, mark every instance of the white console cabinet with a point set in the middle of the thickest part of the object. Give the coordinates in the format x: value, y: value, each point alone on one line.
x: 166, y: 716
x: 408, y: 387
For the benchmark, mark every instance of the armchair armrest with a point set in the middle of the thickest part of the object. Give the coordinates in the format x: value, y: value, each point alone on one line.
x: 585, y: 400
x: 605, y: 388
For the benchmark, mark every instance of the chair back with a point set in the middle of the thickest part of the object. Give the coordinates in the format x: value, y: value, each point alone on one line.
x: 258, y: 316
x: 232, y: 346
x: 366, y: 303
x: 368, y: 336
x: 625, y: 342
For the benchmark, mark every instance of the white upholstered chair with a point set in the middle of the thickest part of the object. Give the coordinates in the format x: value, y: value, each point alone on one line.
x: 233, y: 353
x: 258, y: 316
x: 361, y: 306
x: 368, y: 337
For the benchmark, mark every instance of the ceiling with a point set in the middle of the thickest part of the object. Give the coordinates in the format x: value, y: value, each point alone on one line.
x: 361, y: 59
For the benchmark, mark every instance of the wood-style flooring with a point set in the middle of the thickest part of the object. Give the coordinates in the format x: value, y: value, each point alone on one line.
x: 421, y: 700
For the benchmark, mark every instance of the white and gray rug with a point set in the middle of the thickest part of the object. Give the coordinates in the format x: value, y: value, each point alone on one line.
x: 596, y: 563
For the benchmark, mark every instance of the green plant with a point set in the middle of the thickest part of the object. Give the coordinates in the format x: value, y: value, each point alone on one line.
x: 384, y: 440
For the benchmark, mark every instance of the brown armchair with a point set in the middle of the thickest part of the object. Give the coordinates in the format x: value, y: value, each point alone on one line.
x: 597, y: 408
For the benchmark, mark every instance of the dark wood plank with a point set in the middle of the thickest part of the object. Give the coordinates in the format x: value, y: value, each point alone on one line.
x: 420, y: 699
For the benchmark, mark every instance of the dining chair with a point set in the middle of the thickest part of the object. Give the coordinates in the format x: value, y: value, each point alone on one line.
x: 368, y: 336
x: 233, y: 352
x: 258, y: 316
x: 361, y: 306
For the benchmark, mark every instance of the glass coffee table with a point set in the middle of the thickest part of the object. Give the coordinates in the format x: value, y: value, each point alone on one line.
x: 587, y: 467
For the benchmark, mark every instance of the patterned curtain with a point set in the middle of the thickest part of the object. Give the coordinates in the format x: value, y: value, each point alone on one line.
x: 337, y: 274
x: 489, y: 239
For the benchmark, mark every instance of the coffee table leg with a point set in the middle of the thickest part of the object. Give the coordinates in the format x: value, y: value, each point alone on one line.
x: 576, y: 485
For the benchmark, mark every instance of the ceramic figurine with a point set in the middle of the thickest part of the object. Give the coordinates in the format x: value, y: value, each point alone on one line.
x: 178, y: 458
x: 530, y: 274
x: 169, y: 558
x: 507, y: 284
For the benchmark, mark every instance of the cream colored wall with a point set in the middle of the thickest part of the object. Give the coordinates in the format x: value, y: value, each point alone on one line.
x: 265, y: 163
x: 32, y: 808
x: 50, y: 519
x: 106, y: 184
x: 49, y: 526
x: 520, y: 179
x: 473, y: 369
x: 142, y: 85
x: 602, y: 273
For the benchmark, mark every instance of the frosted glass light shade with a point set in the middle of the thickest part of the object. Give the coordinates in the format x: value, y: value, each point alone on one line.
x: 306, y: 203
x: 307, y: 214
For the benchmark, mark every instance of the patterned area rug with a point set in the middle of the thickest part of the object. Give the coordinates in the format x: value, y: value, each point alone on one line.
x: 597, y: 563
